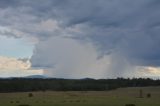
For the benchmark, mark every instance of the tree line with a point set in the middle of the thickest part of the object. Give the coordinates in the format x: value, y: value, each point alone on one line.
x: 29, y: 84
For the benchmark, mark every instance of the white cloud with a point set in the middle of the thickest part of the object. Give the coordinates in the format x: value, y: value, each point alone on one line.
x: 148, y: 71
x: 7, y: 63
x: 12, y: 67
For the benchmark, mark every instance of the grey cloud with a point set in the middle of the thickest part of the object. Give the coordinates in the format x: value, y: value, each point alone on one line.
x: 8, y: 3
x: 125, y: 28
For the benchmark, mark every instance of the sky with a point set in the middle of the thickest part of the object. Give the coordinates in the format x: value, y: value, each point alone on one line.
x: 80, y: 38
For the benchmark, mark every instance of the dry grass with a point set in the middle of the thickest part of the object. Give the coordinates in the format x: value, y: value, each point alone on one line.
x: 118, y: 97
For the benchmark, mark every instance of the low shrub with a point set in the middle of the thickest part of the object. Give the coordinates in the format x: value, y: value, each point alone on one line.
x: 130, y: 105
x: 11, y: 102
x: 30, y: 95
x: 148, y: 95
x: 23, y: 105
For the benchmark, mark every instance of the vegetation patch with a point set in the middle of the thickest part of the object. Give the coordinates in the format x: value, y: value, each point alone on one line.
x: 24, y: 105
x: 130, y: 105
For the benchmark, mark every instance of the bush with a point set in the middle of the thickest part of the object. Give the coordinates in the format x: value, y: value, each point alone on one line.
x: 24, y: 105
x: 130, y: 105
x: 30, y: 95
x: 11, y: 102
x: 17, y: 101
x: 148, y: 95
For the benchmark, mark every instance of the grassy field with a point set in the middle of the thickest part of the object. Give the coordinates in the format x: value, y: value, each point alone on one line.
x: 118, y: 97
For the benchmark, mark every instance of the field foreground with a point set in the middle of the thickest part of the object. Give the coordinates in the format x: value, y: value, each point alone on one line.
x: 119, y: 97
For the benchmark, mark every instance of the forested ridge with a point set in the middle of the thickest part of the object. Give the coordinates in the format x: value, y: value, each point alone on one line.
x: 31, y: 84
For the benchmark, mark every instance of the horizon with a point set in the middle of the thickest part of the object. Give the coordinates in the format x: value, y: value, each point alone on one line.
x: 46, y: 77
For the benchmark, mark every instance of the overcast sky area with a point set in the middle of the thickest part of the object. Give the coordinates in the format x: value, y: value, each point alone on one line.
x: 80, y: 38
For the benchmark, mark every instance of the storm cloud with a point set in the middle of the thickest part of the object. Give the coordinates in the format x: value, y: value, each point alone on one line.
x: 87, y: 38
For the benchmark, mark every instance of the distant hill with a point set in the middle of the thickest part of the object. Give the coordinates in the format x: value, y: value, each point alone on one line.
x: 31, y: 76
x: 36, y: 76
